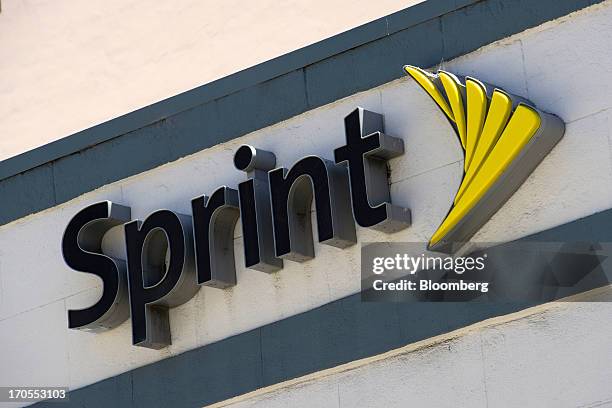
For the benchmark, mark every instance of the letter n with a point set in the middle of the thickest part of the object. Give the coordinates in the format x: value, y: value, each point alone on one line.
x: 291, y: 194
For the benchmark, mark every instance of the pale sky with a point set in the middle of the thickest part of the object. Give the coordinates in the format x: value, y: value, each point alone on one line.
x: 66, y: 65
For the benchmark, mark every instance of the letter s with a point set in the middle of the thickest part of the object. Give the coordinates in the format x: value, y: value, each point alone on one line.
x: 82, y: 251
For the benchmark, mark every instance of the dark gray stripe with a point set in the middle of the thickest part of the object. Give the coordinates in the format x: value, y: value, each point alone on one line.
x: 333, y: 334
x: 359, y: 59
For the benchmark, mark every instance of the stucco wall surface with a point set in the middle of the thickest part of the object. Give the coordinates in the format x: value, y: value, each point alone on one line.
x: 539, y: 357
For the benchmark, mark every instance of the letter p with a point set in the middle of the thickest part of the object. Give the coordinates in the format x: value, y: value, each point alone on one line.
x: 161, y: 274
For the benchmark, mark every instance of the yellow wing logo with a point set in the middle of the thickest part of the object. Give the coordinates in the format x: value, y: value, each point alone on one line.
x: 504, y: 138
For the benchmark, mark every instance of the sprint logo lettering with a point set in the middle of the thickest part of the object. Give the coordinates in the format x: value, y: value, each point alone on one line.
x: 169, y: 255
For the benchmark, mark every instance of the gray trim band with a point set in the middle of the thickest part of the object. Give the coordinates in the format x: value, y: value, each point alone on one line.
x: 357, y: 60
x: 336, y: 333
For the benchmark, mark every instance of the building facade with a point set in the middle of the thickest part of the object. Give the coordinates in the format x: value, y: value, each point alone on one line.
x: 301, y: 335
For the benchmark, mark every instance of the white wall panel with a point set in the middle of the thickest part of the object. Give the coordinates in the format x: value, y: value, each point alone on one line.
x: 551, y: 356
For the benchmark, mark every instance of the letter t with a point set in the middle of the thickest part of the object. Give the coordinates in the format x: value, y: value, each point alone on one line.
x: 366, y: 151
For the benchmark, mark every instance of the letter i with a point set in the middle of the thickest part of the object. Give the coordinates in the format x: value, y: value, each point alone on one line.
x: 255, y: 210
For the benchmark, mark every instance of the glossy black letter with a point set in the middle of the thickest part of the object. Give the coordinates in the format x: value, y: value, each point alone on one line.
x: 81, y: 248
